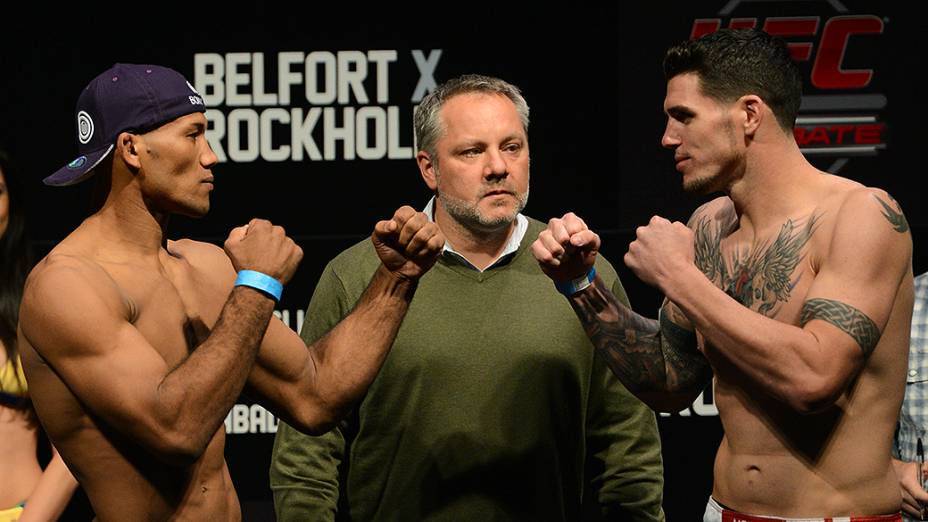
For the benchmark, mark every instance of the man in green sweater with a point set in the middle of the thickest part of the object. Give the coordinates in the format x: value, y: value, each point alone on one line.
x: 490, y: 405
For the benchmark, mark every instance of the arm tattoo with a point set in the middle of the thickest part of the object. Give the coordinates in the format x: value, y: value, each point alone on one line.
x: 646, y: 355
x: 847, y: 318
x: 896, y: 219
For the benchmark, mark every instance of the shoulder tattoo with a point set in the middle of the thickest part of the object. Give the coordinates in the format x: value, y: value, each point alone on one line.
x: 895, y: 218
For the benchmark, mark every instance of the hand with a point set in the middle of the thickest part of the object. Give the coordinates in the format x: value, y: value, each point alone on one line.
x: 566, y: 249
x: 265, y: 248
x: 914, y: 497
x: 408, y: 244
x: 662, y: 250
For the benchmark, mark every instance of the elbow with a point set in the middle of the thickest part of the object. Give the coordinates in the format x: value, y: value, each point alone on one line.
x: 669, y: 402
x: 315, y: 421
x: 813, y: 395
x: 313, y: 427
x: 180, y: 449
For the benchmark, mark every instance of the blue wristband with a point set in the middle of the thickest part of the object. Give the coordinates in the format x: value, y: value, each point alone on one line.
x: 259, y: 281
x: 573, y: 286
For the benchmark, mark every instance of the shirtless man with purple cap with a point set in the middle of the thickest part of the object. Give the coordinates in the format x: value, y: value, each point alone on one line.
x: 136, y: 347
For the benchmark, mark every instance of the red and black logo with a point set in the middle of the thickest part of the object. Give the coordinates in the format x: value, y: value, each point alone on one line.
x: 841, y: 108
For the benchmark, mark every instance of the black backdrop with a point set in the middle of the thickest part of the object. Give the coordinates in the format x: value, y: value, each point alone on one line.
x: 591, y: 75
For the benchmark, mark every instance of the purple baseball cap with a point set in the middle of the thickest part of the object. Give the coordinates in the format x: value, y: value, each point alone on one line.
x: 127, y: 97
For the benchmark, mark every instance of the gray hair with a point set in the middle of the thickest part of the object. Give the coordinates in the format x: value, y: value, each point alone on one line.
x: 428, y: 124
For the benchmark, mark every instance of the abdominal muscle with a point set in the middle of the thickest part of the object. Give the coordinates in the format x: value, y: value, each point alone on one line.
x: 773, y: 461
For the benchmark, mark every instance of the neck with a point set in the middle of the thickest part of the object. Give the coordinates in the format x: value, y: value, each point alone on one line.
x: 480, y: 246
x: 775, y: 184
x: 128, y: 224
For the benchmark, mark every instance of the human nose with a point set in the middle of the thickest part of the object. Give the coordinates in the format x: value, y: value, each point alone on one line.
x: 496, y: 166
x: 671, y: 137
x: 208, y: 158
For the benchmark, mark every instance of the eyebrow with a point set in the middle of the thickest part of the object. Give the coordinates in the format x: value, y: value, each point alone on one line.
x: 198, y: 126
x: 678, y: 111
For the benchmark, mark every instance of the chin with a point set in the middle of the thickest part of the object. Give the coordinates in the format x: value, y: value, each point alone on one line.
x: 700, y: 185
x: 497, y: 220
x: 194, y: 212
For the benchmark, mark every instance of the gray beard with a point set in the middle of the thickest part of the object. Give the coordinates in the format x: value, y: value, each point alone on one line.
x: 469, y: 215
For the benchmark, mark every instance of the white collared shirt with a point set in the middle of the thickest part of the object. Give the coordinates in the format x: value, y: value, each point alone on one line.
x: 512, y: 244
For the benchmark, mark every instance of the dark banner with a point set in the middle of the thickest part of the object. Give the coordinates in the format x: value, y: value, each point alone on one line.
x: 310, y: 113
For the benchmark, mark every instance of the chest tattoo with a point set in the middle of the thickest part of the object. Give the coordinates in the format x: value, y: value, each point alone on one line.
x: 760, y: 276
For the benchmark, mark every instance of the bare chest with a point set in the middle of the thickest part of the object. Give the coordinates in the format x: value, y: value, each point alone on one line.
x: 771, y: 274
x: 173, y: 310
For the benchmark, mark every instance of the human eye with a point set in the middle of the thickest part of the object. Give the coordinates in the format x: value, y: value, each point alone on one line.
x: 681, y: 115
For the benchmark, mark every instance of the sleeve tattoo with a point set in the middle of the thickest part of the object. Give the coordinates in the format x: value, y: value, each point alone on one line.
x: 646, y: 355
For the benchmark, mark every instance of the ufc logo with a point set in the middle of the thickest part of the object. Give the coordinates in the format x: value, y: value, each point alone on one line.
x: 827, y: 72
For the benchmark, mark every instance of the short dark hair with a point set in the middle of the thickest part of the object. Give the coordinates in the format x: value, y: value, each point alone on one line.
x: 733, y: 62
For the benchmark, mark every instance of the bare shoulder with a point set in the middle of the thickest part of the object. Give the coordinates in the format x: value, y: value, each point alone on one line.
x: 59, y: 272
x: 845, y: 197
x: 719, y: 212
x: 68, y: 289
x: 871, y: 208
x: 200, y: 255
x: 869, y: 224
x: 875, y: 201
x: 197, y: 250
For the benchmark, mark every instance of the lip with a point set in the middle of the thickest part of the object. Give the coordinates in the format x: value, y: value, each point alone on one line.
x: 497, y: 193
x: 681, y: 161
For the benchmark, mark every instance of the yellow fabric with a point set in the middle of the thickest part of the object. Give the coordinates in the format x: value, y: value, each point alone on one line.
x: 13, y: 381
x: 11, y: 515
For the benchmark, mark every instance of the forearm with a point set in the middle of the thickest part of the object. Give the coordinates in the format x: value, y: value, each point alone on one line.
x: 195, y: 397
x: 645, y: 355
x: 51, y: 494
x: 348, y: 358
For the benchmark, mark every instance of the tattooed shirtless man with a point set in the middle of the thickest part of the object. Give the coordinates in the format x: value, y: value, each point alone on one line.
x: 794, y: 290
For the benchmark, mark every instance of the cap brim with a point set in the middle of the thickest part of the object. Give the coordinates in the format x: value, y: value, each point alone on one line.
x: 78, y: 170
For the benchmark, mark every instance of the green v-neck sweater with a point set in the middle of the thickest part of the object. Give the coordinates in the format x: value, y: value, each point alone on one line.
x: 490, y: 406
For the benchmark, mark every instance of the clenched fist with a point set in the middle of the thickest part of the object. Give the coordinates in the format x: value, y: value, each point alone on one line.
x: 263, y: 247
x: 567, y: 249
x: 408, y: 244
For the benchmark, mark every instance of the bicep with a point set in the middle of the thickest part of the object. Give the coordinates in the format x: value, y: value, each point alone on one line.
x: 283, y: 362
x: 76, y: 327
x: 284, y: 355
x: 849, y: 303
